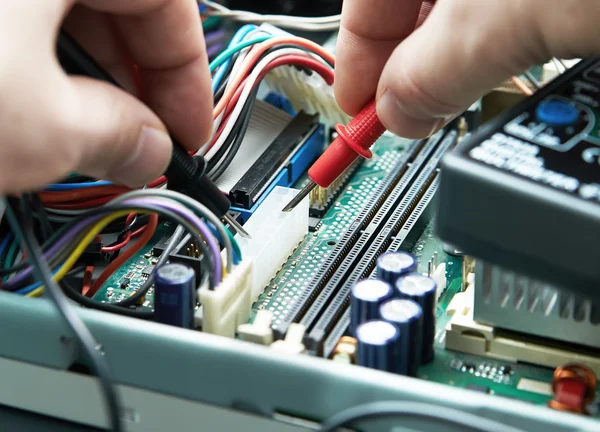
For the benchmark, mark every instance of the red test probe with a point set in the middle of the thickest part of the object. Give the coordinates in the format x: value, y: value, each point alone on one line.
x: 353, y: 141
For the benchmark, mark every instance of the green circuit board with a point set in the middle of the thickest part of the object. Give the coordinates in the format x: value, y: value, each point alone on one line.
x: 448, y: 367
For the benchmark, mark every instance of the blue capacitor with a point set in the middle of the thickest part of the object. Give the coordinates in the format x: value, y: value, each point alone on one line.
x: 422, y: 290
x: 366, y: 298
x: 175, y: 295
x: 377, y: 345
x: 392, y: 265
x: 407, y: 316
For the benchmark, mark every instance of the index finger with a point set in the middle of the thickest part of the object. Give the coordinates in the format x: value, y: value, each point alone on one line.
x: 370, y: 31
x: 166, y: 42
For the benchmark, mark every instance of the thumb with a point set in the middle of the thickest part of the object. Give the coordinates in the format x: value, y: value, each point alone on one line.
x: 117, y: 137
x: 465, y: 48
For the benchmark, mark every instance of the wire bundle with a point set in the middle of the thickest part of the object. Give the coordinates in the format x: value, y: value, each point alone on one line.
x: 237, y: 74
x: 64, y: 248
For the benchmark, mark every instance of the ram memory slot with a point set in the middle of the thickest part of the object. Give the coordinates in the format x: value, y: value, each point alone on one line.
x: 348, y: 239
x: 352, y: 258
x: 334, y: 298
x: 407, y: 230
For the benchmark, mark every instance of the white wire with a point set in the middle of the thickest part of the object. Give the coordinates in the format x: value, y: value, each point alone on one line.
x: 299, y: 23
x: 235, y: 114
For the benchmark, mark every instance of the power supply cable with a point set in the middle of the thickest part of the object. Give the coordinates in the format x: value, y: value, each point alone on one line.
x: 83, y: 335
x: 442, y: 415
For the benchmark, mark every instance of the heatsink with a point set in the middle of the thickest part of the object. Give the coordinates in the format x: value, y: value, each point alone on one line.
x: 515, y: 302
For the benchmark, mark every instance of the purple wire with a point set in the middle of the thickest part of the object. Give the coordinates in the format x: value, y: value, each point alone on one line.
x: 213, y: 50
x: 214, y: 36
x: 182, y: 211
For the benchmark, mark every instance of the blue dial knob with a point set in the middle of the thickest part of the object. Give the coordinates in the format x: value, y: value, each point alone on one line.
x: 557, y: 113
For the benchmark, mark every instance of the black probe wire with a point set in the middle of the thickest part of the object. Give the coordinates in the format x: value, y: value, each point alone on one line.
x: 393, y: 409
x: 82, y: 334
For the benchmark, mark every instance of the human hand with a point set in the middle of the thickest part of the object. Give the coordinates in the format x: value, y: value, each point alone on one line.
x: 52, y: 124
x: 424, y: 78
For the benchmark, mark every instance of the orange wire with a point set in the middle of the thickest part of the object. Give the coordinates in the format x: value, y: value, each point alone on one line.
x: 522, y: 86
x: 87, y: 279
x: 126, y: 255
x: 253, y: 57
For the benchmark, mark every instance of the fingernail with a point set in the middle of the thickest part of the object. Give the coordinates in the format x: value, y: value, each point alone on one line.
x: 395, y: 118
x: 148, y: 161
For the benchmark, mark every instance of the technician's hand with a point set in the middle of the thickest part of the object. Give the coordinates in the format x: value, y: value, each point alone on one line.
x: 52, y: 124
x: 425, y: 78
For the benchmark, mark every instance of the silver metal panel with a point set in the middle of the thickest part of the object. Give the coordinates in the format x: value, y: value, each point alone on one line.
x: 231, y: 374
x: 511, y: 301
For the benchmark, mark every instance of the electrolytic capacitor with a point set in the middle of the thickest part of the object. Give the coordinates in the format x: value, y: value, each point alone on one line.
x: 377, y: 344
x: 175, y: 295
x: 407, y: 316
x: 392, y: 265
x: 422, y: 290
x: 366, y: 298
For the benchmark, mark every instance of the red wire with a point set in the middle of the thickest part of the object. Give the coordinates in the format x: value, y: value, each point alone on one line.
x: 126, y: 255
x: 125, y: 241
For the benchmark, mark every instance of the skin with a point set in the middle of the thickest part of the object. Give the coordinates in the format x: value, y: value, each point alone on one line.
x: 424, y: 78
x: 53, y: 124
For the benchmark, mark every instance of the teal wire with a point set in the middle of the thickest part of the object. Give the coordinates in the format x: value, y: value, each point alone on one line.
x: 222, y: 58
x: 234, y: 243
x: 11, y: 256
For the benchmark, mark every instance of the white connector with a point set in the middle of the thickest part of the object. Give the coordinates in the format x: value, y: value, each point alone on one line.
x: 230, y: 303
x: 275, y: 236
x: 439, y: 276
x: 309, y: 93
x: 292, y: 344
x: 260, y: 331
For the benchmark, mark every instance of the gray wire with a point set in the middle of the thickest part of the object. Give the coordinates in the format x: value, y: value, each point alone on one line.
x: 210, y: 216
x: 185, y: 241
x: 425, y: 411
x: 73, y: 321
x: 533, y: 80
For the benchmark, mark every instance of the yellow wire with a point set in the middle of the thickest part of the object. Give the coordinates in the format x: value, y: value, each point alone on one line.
x: 80, y: 248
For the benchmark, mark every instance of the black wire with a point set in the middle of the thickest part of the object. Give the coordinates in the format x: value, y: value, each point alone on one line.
x: 215, y: 160
x: 86, y: 341
x: 245, y: 116
x: 76, y: 296
x: 141, y: 292
x: 45, y: 224
x: 234, y: 142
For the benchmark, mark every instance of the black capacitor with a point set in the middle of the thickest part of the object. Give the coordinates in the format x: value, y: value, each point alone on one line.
x: 408, y: 317
x: 422, y: 290
x: 175, y: 295
x: 377, y: 345
x: 366, y: 298
x: 392, y: 265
